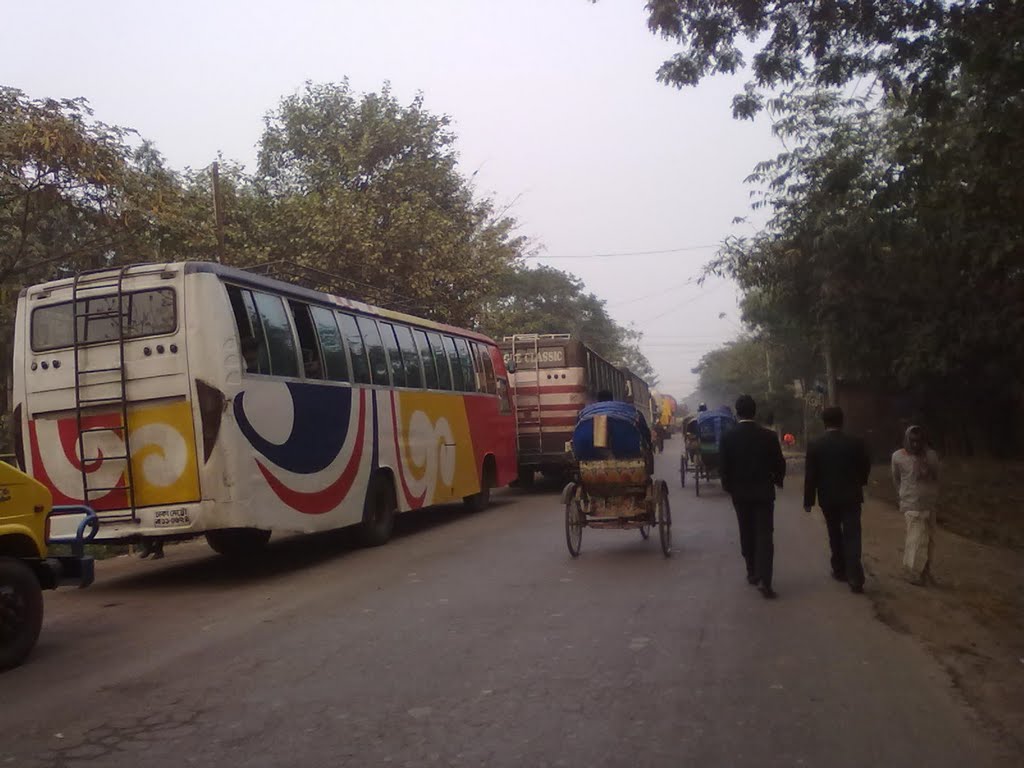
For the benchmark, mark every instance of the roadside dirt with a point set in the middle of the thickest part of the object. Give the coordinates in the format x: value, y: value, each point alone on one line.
x: 972, y: 619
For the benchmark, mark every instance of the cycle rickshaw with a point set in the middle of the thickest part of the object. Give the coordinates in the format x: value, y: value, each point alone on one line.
x: 710, y: 426
x: 690, y: 443
x: 614, y: 485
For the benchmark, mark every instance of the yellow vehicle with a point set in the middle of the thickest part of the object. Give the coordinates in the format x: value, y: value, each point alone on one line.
x: 25, y: 567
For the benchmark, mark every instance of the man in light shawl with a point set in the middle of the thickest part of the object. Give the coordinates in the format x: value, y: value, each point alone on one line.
x: 915, y: 472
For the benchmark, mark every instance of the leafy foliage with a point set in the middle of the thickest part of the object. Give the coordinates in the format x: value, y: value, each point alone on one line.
x: 369, y: 188
x: 895, y: 236
x: 356, y: 185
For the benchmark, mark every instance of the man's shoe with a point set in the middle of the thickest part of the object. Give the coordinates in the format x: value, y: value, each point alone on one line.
x: 857, y: 589
x: 767, y: 592
x: 838, y: 576
x: 752, y: 579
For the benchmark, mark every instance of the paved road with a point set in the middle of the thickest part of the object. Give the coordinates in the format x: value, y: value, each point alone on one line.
x: 476, y: 640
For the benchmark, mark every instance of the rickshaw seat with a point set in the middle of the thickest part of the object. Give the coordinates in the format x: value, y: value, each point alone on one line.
x: 614, y: 477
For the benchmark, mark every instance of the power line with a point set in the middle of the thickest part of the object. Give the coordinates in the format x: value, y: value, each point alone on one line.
x: 663, y: 291
x: 631, y: 253
x: 698, y: 297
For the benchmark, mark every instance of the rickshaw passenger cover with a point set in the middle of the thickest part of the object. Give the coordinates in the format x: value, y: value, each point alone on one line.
x: 628, y: 436
x: 712, y: 425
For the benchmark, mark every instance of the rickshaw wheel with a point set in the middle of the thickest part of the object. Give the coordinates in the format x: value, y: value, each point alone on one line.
x: 682, y: 468
x: 664, y: 517
x: 696, y: 480
x: 574, y: 525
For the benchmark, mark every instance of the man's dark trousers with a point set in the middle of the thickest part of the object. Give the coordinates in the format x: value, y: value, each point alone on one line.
x: 757, y: 525
x: 844, y: 539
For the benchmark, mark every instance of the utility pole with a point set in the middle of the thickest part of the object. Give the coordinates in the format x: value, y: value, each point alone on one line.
x: 218, y: 214
x: 830, y: 370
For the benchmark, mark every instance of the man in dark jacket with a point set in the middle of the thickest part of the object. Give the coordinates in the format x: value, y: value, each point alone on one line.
x: 751, y: 467
x: 836, y: 473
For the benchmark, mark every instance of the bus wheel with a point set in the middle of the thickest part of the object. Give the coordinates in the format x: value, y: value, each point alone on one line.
x: 478, y: 502
x: 238, y: 542
x: 379, y: 512
x: 21, y: 611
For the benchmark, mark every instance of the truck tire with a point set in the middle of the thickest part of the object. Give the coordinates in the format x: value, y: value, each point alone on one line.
x: 21, y: 611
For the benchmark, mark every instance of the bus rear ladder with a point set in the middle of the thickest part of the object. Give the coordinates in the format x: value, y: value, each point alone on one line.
x: 82, y: 317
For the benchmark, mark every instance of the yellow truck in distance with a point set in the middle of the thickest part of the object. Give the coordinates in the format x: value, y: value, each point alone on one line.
x: 26, y: 568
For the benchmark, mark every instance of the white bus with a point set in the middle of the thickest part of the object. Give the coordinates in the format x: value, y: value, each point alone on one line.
x: 191, y: 398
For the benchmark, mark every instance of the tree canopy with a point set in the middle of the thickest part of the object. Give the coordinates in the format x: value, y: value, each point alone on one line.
x: 894, y: 242
x: 548, y: 300
x: 359, y: 186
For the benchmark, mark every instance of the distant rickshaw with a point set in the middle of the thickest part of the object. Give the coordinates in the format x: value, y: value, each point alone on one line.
x: 711, y: 426
x: 690, y: 446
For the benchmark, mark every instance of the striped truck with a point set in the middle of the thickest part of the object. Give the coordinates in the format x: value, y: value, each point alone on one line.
x: 552, y: 377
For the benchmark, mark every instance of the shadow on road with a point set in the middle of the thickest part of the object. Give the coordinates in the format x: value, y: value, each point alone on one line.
x: 288, y: 554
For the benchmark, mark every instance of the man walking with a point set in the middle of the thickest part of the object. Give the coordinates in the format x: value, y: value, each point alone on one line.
x: 915, y: 472
x: 836, y: 472
x: 751, y: 467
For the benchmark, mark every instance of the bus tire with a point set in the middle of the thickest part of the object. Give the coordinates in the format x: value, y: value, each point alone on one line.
x: 21, y: 611
x: 478, y: 502
x: 379, y: 511
x: 238, y: 542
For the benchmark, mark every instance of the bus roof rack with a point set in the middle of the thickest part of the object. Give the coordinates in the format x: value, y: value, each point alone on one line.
x: 537, y: 336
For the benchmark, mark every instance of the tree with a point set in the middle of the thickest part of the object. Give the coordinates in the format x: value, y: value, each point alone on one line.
x: 367, y: 187
x: 548, y: 300
x: 61, y: 184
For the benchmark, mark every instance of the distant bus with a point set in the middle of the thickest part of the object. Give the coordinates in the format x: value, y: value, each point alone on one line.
x: 191, y: 398
x: 554, y: 376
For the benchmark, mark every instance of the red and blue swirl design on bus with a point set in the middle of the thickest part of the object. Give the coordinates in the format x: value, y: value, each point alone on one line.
x: 324, y: 428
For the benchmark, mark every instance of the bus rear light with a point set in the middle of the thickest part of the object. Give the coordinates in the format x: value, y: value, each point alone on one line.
x: 211, y: 410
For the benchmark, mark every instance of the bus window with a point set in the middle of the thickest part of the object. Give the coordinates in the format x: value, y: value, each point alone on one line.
x: 360, y: 366
x: 284, y: 358
x: 504, y: 399
x: 458, y: 377
x: 375, y: 350
x: 466, y: 363
x: 255, y: 358
x: 151, y: 312
x: 478, y: 366
x: 331, y: 345
x: 427, y: 357
x: 410, y: 357
x: 387, y: 330
x: 444, y: 373
x: 490, y: 386
x: 312, y: 360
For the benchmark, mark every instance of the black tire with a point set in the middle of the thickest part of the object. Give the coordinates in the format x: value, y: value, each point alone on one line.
x: 682, y: 469
x: 526, y: 478
x: 480, y: 501
x: 238, y: 543
x: 664, y: 519
x: 574, y: 525
x: 696, y: 481
x: 21, y: 611
x: 379, y: 511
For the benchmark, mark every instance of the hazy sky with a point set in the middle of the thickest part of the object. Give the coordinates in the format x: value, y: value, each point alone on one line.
x: 554, y: 101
